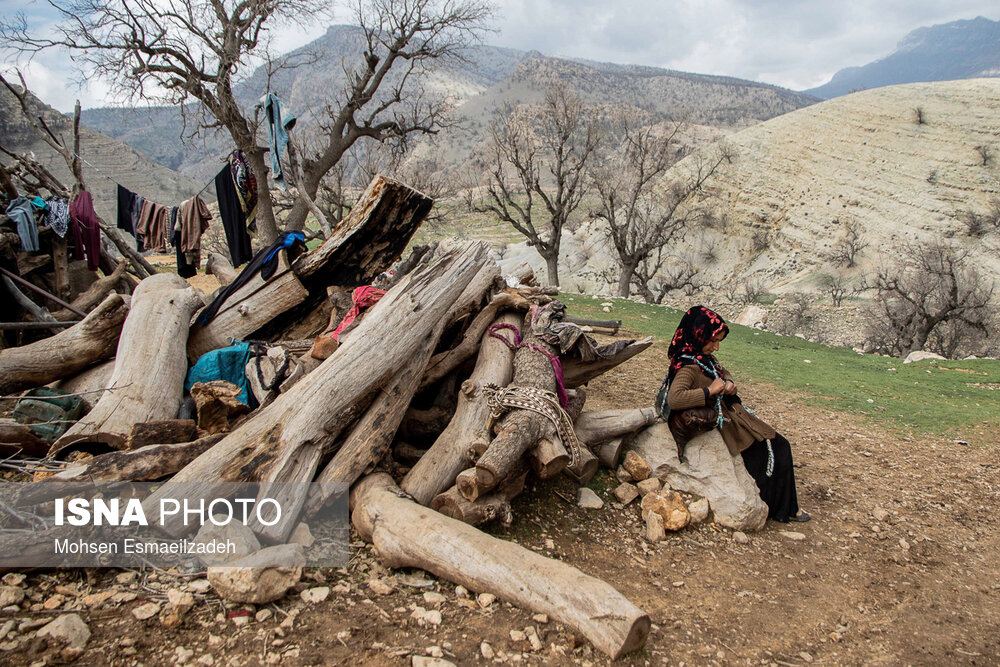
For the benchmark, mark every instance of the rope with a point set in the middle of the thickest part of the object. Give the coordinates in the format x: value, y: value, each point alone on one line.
x: 557, y: 368
x: 94, y: 167
x: 540, y: 401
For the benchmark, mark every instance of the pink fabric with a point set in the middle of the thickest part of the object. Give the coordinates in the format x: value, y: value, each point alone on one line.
x: 363, y: 297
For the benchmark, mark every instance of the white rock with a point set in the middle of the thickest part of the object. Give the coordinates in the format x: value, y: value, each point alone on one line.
x: 182, y: 655
x: 654, y: 528
x: 487, y: 651
x: 740, y: 537
x: 792, y: 535
x: 10, y: 595
x: 242, y: 540
x: 709, y: 471
x: 461, y: 592
x: 540, y: 618
x: 255, y: 578
x: 485, y: 599
x: 752, y: 316
x: 263, y: 615
x: 432, y: 597
x: 145, y: 611
x: 314, y: 595
x: 517, y: 636
x: 381, y: 586
x: 880, y: 514
x: 920, y: 355
x: 588, y: 499
x: 302, y: 535
x: 427, y: 661
x: 433, y: 617
x: 699, y: 510
x: 68, y: 628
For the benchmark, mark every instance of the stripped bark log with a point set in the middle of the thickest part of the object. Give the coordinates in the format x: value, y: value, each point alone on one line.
x: 89, y: 384
x: 150, y: 364
x: 67, y: 353
x: 221, y: 268
x: 447, y: 457
x: 549, y: 458
x: 596, y: 427
x: 248, y: 309
x: 398, y: 528
x: 577, y: 372
x: 284, y: 441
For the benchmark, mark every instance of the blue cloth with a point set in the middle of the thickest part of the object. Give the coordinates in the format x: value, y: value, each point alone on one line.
x: 227, y: 364
x: 278, y: 125
x: 20, y: 212
x: 286, y: 241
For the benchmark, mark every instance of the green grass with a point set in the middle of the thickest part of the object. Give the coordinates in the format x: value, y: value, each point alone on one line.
x: 930, y: 397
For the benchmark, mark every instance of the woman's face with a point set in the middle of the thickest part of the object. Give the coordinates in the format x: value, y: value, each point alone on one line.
x: 712, y: 346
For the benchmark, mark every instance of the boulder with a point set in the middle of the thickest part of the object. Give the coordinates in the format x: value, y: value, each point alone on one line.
x: 920, y: 355
x: 709, y: 471
x: 699, y: 510
x: 670, y: 506
x: 69, y: 629
x: 256, y: 578
x: 752, y: 316
x: 234, y: 534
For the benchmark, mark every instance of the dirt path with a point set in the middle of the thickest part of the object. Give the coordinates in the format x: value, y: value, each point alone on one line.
x: 920, y: 586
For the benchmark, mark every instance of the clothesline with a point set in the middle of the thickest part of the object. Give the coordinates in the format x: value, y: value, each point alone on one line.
x: 94, y: 167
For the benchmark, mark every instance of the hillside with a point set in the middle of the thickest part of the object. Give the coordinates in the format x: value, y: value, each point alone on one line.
x: 113, y: 159
x: 956, y: 50
x: 489, y: 77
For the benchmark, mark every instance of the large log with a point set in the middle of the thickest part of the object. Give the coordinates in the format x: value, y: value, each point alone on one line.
x: 482, y: 510
x: 89, y: 384
x: 94, y: 294
x: 577, y: 372
x: 150, y: 364
x: 284, y: 441
x: 599, y: 426
x: 407, y: 535
x: 447, y: 457
x: 251, y: 307
x: 221, y: 268
x: 68, y: 352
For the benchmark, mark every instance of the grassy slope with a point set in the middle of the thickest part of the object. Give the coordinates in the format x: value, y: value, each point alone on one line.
x: 930, y: 397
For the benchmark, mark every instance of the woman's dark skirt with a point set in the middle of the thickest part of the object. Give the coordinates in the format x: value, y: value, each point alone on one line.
x: 778, y: 490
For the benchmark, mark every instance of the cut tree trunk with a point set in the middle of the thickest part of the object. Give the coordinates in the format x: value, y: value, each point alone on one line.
x: 407, y: 535
x: 577, y: 372
x: 248, y: 309
x: 68, y: 352
x: 221, y: 268
x: 89, y: 384
x: 94, y: 294
x: 161, y: 432
x: 448, y: 456
x: 150, y: 365
x: 284, y: 441
x: 495, y: 506
x: 596, y: 427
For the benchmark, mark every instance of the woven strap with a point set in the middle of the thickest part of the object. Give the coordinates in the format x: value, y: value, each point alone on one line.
x: 545, y: 403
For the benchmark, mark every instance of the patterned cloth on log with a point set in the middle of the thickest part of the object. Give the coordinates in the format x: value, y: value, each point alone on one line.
x: 547, y: 324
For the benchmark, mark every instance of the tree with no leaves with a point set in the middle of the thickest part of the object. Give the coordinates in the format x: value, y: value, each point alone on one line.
x: 848, y: 249
x: 536, y: 170
x: 931, y: 290
x: 179, y: 51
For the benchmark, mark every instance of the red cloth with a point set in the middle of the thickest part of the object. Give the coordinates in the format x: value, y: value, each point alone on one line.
x: 363, y: 297
x: 86, y: 231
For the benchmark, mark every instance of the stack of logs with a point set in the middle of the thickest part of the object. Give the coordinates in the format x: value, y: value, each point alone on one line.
x: 407, y: 390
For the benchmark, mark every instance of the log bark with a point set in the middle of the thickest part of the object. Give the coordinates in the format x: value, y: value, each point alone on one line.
x: 89, y: 384
x: 399, y: 530
x: 596, y: 427
x: 284, y: 441
x: 221, y: 268
x: 150, y: 364
x: 577, y: 372
x: 94, y: 294
x: 493, y: 507
x: 68, y: 352
x: 248, y: 309
x: 161, y: 432
x: 549, y: 458
x: 447, y: 457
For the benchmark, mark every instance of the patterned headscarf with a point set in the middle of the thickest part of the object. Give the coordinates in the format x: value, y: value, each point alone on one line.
x: 698, y: 326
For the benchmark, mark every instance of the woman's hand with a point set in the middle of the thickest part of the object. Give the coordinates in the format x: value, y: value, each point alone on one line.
x: 730, y: 388
x: 716, y: 387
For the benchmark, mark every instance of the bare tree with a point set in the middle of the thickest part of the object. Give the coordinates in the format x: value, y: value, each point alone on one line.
x: 176, y: 51
x: 536, y: 170
x: 849, y: 247
x: 837, y: 287
x: 931, y: 290
x: 642, y: 218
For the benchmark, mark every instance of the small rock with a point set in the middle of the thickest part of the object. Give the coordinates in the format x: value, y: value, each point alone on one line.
x: 199, y: 586
x: 485, y: 599
x: 314, y: 595
x: 381, y: 586
x: 263, y: 615
x: 792, y: 535
x: 431, y: 597
x: 182, y: 655
x: 435, y: 652
x: 699, y: 510
x: 880, y: 514
x: 433, y: 617
x: 146, y: 611
x: 414, y: 581
x: 654, y: 528
x: 517, y: 636
x: 461, y: 592
x: 904, y: 545
x: 178, y: 599
x: 647, y: 486
x: 587, y: 499
x: 255, y: 578
x: 626, y: 493
x: 206, y: 659
x: 97, y: 599
x: 623, y: 475
x: 11, y: 595
x: 302, y: 535
x: 126, y: 578
x: 487, y: 651
x: 740, y: 537
x: 533, y: 639
x: 540, y: 618
x: 806, y: 656
x: 427, y: 661
x: 69, y: 629
x: 678, y: 584
x: 54, y: 602
x: 232, y: 542
x: 13, y: 579
x: 671, y: 508
x: 636, y: 466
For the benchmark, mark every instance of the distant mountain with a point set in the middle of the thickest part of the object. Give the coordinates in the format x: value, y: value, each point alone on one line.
x: 488, y: 77
x: 956, y: 50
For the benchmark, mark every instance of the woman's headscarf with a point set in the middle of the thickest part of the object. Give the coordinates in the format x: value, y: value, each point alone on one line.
x: 698, y: 326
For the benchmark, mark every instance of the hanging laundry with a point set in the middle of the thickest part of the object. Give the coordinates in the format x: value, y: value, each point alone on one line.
x: 278, y: 125
x: 246, y: 185
x: 233, y: 220
x: 193, y: 216
x: 86, y: 230
x: 187, y: 262
x: 57, y: 217
x: 126, y: 200
x: 154, y: 226
x: 20, y: 212
x: 265, y: 262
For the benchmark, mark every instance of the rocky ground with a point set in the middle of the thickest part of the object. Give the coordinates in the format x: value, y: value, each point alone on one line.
x: 901, y: 565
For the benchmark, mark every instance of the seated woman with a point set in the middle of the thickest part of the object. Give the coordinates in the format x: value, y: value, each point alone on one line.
x: 699, y: 394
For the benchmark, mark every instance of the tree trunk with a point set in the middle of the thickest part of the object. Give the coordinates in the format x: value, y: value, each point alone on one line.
x: 407, y: 535
x: 577, y: 372
x: 93, y: 294
x: 267, y: 227
x: 625, y: 278
x: 150, y: 364
x: 221, y: 268
x: 284, y: 441
x: 89, y: 384
x: 597, y: 427
x: 447, y: 457
x: 552, y: 268
x: 68, y: 352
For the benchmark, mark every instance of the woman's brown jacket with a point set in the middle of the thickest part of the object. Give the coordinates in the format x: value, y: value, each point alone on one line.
x: 740, y: 429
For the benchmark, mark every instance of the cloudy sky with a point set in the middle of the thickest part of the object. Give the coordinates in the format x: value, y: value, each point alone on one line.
x: 793, y: 43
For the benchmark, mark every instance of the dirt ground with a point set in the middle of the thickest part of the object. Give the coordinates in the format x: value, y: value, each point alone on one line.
x: 921, y: 586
